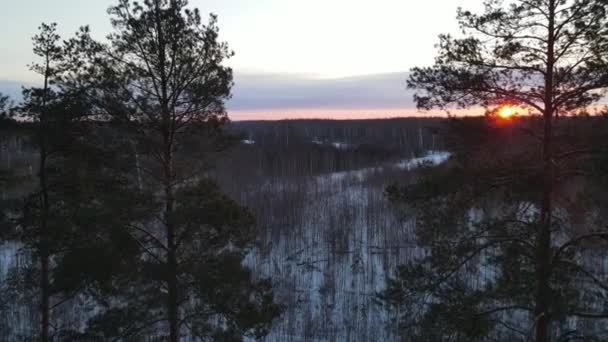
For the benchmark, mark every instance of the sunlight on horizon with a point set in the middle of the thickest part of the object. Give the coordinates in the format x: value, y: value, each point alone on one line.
x: 508, y: 111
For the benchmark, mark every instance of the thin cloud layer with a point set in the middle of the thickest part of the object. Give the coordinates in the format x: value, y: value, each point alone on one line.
x: 259, y: 92
x: 284, y: 96
x: 12, y: 89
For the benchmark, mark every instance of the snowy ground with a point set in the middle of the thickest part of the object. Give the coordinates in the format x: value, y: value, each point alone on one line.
x: 334, y: 255
x: 327, y: 242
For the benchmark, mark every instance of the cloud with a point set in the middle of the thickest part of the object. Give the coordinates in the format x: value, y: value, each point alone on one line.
x: 258, y: 95
x: 284, y: 92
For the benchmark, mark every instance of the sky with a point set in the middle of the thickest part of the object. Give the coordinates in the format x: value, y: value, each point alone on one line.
x: 293, y: 58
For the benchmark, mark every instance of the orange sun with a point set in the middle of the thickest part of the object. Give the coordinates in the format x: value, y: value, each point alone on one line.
x: 506, y: 111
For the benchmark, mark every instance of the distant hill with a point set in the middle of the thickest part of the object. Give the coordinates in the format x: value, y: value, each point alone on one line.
x: 12, y: 88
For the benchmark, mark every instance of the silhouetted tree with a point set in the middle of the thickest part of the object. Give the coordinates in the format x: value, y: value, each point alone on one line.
x: 161, y: 80
x: 38, y: 104
x: 547, y: 57
x: 4, y: 173
x: 79, y: 192
x: 4, y: 106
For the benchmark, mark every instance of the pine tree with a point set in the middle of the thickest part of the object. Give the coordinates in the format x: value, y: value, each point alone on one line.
x: 161, y: 81
x: 547, y: 57
x: 38, y: 103
x: 79, y: 192
x: 5, y: 105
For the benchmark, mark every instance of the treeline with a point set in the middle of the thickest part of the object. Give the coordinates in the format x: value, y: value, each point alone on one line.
x: 294, y: 148
x: 412, y: 135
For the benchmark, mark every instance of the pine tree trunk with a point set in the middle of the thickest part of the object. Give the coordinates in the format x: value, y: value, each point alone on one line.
x: 172, y: 283
x: 45, y: 298
x: 168, y: 132
x: 44, y: 251
x: 543, y: 243
x: 45, y: 294
x: 172, y: 280
x: 170, y: 230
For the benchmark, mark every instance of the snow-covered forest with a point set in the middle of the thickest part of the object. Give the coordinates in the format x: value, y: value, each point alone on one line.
x: 326, y: 237
x: 133, y: 209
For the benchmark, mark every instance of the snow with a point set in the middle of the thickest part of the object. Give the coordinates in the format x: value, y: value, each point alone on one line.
x: 432, y: 158
x: 339, y: 145
x: 330, y: 261
x: 327, y: 259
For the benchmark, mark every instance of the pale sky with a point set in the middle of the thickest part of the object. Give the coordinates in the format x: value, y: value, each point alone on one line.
x: 286, y: 44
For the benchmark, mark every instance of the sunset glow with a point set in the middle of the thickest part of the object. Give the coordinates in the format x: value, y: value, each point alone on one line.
x: 506, y: 111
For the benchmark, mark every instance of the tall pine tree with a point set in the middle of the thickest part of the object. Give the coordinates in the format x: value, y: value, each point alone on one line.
x: 548, y: 57
x: 68, y: 222
x: 161, y: 81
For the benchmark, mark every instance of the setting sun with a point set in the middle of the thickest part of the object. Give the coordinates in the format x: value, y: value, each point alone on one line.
x: 507, y: 111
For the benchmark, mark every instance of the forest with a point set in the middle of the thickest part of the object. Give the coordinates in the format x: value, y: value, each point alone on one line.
x: 133, y: 209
